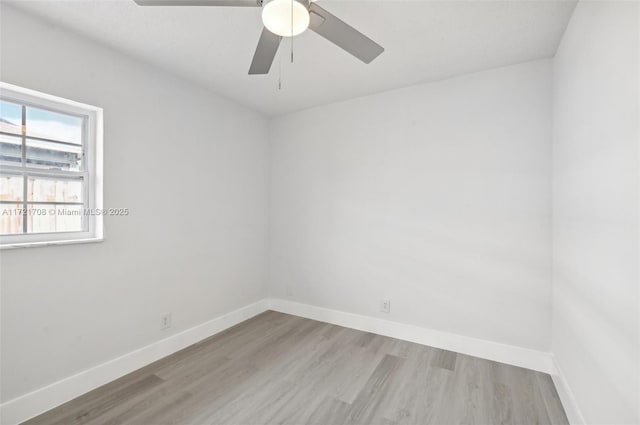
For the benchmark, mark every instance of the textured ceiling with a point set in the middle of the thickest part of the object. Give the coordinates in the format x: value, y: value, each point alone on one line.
x: 424, y: 41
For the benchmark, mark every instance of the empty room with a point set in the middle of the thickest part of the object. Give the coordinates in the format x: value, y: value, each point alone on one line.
x: 292, y: 212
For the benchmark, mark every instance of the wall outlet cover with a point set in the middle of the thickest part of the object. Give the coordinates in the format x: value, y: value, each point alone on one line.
x: 165, y: 321
x: 385, y: 306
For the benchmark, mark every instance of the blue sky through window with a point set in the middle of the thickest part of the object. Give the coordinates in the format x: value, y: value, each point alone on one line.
x: 51, y: 125
x: 41, y: 123
x: 11, y: 112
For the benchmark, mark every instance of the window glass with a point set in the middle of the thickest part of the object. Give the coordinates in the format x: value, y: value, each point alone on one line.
x: 11, y: 187
x: 10, y: 117
x: 49, y: 190
x: 49, y: 218
x: 11, y: 195
x: 11, y: 220
x: 52, y: 125
x: 54, y: 155
x: 10, y: 150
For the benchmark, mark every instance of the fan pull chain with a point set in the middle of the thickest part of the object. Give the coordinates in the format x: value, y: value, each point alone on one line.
x: 292, y: 30
x: 279, y: 72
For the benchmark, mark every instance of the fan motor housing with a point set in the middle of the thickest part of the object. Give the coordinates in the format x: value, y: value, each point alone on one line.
x: 305, y: 3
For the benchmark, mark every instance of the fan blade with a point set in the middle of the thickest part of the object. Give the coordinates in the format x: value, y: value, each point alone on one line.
x: 265, y: 52
x: 231, y: 3
x: 343, y: 35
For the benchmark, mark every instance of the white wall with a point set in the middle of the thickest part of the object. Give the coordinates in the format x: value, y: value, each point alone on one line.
x: 436, y: 197
x: 596, y: 315
x: 191, y: 167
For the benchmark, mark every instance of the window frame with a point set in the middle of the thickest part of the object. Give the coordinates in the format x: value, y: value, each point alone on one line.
x: 92, y: 167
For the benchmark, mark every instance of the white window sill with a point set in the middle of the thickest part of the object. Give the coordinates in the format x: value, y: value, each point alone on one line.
x: 48, y: 243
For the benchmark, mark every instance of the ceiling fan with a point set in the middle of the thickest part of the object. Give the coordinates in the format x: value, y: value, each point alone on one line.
x: 288, y: 18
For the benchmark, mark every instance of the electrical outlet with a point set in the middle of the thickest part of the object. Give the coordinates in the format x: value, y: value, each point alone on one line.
x: 385, y: 306
x: 165, y: 321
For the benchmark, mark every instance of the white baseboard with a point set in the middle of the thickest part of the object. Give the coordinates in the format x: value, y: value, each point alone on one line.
x: 504, y: 353
x: 29, y: 405
x: 569, y: 402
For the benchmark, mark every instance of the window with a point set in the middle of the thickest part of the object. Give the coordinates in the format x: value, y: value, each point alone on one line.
x: 50, y: 169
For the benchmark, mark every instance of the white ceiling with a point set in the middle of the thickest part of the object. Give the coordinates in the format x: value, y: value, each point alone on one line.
x: 423, y: 40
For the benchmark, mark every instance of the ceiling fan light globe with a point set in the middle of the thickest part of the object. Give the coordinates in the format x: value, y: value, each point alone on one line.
x: 276, y: 16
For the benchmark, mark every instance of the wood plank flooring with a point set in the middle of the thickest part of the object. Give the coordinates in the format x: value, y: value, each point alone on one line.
x: 282, y: 369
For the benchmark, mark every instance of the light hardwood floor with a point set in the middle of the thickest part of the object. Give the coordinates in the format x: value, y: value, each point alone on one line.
x: 282, y: 369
